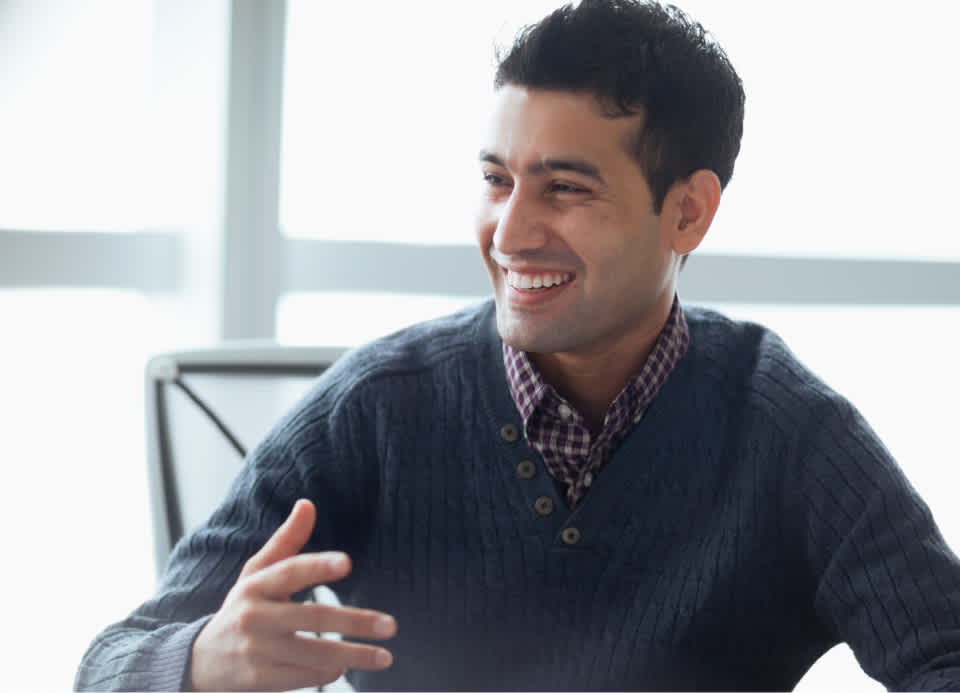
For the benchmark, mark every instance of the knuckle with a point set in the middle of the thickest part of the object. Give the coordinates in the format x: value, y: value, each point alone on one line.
x: 247, y: 617
x: 324, y: 618
x: 247, y: 649
x: 245, y: 588
x: 251, y: 565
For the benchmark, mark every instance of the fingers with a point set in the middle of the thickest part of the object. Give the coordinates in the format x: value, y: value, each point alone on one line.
x: 287, y: 541
x: 280, y: 580
x: 324, y: 618
x: 304, y: 651
x: 274, y: 623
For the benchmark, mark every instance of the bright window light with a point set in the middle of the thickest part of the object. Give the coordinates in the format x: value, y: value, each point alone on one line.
x: 380, y: 126
x: 330, y: 317
x: 73, y: 502
x: 849, y: 146
x: 74, y: 116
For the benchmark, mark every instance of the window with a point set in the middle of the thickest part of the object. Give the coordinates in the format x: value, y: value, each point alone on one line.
x: 117, y: 117
x: 110, y: 132
x: 72, y: 124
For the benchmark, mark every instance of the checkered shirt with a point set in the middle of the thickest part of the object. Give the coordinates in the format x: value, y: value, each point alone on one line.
x: 559, y: 433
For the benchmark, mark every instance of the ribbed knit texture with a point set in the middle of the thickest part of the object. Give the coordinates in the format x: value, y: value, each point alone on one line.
x: 748, y: 523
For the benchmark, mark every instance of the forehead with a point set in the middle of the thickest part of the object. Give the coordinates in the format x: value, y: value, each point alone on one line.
x: 529, y: 125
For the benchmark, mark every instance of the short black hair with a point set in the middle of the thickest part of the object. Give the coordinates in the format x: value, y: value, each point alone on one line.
x: 640, y: 57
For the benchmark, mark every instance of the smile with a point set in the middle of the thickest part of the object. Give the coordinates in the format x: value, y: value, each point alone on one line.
x: 543, y: 280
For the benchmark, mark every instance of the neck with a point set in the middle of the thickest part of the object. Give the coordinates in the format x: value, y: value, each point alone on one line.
x: 591, y: 379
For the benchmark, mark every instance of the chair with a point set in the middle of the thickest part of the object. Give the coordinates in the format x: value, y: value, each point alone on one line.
x: 204, y: 410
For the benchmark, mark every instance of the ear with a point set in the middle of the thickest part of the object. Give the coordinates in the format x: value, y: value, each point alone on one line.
x: 692, y: 203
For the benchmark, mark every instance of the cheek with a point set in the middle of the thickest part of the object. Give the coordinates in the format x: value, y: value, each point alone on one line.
x: 617, y: 251
x: 484, y: 225
x: 599, y: 238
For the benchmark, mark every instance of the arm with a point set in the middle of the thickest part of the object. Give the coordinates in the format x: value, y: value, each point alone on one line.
x: 213, y: 586
x: 889, y: 585
x: 252, y: 642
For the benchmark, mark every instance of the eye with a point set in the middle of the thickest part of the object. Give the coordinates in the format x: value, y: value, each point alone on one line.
x: 495, y: 180
x: 561, y: 187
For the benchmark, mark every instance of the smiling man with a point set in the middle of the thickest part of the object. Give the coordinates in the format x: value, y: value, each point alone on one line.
x: 583, y: 484
x: 582, y: 258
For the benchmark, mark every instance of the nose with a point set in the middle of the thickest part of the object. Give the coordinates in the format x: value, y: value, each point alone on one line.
x: 520, y: 226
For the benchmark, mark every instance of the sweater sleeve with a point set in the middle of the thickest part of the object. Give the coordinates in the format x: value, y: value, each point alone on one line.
x: 150, y: 649
x: 888, y: 584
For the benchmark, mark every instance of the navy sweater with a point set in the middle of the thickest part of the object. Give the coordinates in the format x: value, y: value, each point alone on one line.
x: 749, y: 522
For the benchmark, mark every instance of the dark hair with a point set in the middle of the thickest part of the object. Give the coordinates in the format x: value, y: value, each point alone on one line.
x: 640, y: 57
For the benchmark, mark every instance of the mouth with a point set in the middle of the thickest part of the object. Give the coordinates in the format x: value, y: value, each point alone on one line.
x: 536, y: 281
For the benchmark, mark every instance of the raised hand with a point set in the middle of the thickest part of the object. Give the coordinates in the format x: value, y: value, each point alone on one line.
x: 253, y: 643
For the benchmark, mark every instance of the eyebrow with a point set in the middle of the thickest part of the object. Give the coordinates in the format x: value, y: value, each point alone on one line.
x: 580, y: 166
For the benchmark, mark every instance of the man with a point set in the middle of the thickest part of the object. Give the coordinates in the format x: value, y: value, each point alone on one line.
x: 583, y: 485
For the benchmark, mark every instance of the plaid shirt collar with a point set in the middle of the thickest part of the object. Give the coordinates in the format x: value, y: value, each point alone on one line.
x: 528, y: 388
x: 559, y: 433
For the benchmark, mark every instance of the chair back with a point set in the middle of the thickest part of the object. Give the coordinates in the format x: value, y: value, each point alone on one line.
x: 205, y: 409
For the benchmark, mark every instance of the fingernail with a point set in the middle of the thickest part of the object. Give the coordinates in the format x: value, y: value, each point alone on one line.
x: 384, y: 659
x: 337, y: 561
x: 384, y: 626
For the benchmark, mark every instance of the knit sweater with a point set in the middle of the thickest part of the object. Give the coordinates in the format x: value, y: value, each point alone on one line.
x: 749, y: 522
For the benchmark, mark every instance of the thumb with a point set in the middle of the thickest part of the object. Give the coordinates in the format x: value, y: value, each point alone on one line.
x: 287, y: 541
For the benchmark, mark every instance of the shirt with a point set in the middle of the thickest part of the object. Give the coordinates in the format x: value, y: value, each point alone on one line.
x: 559, y: 433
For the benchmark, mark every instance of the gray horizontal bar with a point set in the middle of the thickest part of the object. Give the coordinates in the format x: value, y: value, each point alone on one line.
x: 388, y: 267
x: 458, y: 270
x: 746, y: 279
x: 153, y: 261
x: 149, y: 261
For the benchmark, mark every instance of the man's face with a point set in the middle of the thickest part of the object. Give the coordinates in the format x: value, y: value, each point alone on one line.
x: 579, y: 262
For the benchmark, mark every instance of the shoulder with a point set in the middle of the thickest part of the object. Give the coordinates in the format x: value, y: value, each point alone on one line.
x: 386, y: 369
x: 719, y: 337
x: 769, y: 394
x: 753, y: 364
x: 417, y: 348
x: 817, y: 436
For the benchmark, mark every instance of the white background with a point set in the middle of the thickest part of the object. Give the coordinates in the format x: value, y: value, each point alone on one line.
x: 114, y: 117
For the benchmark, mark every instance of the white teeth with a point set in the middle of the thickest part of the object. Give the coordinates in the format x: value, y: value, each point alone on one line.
x: 536, y: 281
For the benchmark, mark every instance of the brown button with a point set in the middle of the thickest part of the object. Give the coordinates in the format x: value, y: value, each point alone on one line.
x: 543, y: 505
x: 526, y: 470
x: 570, y: 536
x: 509, y: 432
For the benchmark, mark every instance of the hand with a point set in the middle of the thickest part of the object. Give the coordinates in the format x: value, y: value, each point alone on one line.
x: 252, y: 642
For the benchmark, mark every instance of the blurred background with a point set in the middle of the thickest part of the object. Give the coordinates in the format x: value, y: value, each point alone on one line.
x: 174, y: 173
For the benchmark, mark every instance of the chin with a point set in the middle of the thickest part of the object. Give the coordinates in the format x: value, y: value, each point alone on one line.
x: 539, y: 339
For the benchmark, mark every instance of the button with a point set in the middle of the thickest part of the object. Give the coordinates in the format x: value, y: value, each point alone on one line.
x: 570, y: 536
x: 543, y: 505
x: 564, y: 411
x: 526, y: 470
x: 588, y: 479
x: 509, y: 432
